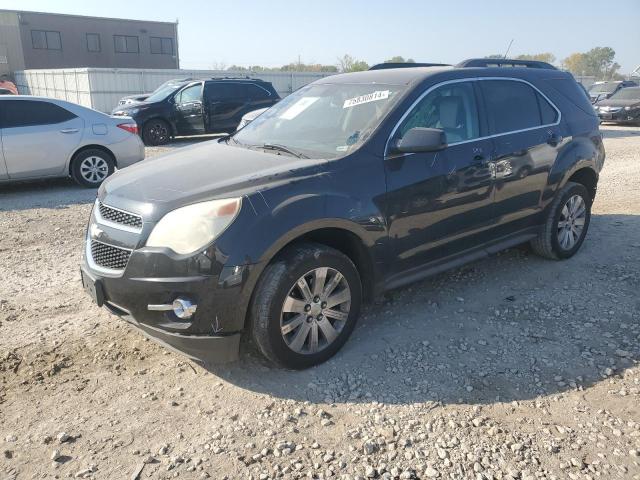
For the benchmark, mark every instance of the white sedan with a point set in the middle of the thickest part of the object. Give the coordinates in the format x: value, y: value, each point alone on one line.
x: 46, y: 137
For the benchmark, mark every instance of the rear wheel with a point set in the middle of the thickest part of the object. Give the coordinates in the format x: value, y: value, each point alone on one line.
x: 156, y: 132
x: 91, y: 167
x: 305, y: 306
x: 566, y: 225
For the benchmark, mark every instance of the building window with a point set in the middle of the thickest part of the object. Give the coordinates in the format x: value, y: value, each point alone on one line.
x: 93, y: 42
x: 161, y: 45
x: 126, y: 44
x: 46, y: 40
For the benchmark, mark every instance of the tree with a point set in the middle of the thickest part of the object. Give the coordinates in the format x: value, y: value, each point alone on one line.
x: 399, y: 59
x: 540, y: 57
x: 495, y: 55
x: 598, y: 62
x: 349, y: 64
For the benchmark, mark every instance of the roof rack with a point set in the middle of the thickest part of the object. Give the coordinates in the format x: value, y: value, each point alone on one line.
x: 384, y: 66
x: 504, y: 62
x: 246, y: 77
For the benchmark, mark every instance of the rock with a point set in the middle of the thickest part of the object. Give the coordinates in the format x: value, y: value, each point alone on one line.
x: 87, y: 472
x: 56, y: 455
x: 431, y: 472
x: 370, y: 472
x: 63, y: 437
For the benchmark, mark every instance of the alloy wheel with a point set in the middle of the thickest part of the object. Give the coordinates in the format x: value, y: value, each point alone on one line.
x: 94, y: 169
x: 158, y: 133
x: 315, y: 310
x: 571, y: 223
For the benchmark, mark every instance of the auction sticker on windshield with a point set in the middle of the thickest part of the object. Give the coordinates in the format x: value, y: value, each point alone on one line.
x: 297, y: 108
x: 369, y: 97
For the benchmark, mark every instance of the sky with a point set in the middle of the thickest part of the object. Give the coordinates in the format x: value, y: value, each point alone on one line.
x: 278, y: 32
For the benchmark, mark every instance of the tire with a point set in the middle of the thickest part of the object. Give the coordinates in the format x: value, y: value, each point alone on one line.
x: 156, y: 132
x: 551, y: 241
x: 284, y: 325
x: 90, y: 168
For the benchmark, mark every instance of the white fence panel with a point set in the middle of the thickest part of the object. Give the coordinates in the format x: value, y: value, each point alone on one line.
x: 101, y: 88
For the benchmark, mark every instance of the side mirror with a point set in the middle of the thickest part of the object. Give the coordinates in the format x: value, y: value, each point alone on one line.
x: 421, y: 139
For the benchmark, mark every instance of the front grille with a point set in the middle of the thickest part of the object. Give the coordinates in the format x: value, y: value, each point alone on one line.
x: 120, y: 217
x: 108, y: 256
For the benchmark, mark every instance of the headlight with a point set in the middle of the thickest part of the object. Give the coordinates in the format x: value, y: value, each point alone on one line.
x: 188, y: 229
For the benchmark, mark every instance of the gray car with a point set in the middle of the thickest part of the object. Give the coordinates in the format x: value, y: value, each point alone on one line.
x: 45, y: 137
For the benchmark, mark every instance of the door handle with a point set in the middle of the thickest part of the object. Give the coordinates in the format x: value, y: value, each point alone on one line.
x: 69, y: 130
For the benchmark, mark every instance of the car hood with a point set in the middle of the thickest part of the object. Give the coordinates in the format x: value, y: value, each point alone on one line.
x: 618, y: 103
x: 202, y: 172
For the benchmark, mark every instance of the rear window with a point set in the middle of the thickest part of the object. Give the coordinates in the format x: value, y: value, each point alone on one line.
x: 513, y: 106
x: 257, y: 92
x: 226, y: 91
x: 26, y: 113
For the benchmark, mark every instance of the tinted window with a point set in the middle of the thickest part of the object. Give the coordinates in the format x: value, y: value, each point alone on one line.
x: 93, y: 42
x: 451, y: 108
x: 511, y: 105
x: 258, y: 92
x: 547, y: 112
x: 126, y: 44
x: 24, y: 113
x: 46, y: 40
x: 226, y: 91
x: 190, y: 94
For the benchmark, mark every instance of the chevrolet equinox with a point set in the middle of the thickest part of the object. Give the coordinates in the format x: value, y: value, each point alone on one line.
x: 355, y: 184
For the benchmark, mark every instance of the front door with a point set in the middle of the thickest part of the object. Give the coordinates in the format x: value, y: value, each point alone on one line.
x: 189, y: 110
x: 440, y: 203
x: 527, y: 137
x: 38, y: 137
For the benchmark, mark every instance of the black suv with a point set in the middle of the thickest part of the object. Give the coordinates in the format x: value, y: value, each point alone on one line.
x: 355, y: 184
x: 196, y: 107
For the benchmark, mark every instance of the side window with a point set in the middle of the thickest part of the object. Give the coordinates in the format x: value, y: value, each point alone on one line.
x: 451, y: 108
x: 258, y: 93
x: 513, y: 105
x: 26, y: 113
x: 190, y: 94
x: 225, y: 91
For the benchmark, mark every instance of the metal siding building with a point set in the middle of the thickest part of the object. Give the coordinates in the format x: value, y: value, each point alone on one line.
x: 34, y: 40
x: 101, y: 88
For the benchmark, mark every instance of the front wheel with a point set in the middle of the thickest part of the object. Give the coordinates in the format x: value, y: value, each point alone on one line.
x: 566, y: 224
x: 305, y: 306
x: 156, y: 132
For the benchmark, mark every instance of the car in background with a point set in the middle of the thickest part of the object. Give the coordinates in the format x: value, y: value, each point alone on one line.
x: 46, y: 137
x: 621, y: 107
x: 603, y: 90
x: 247, y: 118
x: 198, y: 107
x: 6, y: 91
x: 141, y: 97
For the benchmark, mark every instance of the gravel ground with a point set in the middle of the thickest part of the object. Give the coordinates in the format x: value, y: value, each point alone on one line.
x: 513, y: 367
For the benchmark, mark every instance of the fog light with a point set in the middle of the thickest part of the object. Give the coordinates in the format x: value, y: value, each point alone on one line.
x: 184, y: 308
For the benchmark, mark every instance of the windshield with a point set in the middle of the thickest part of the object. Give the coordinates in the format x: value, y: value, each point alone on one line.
x: 627, y: 94
x: 603, y: 87
x: 322, y: 120
x: 163, y: 92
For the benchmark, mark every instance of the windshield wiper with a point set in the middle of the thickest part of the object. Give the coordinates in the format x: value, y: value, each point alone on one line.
x: 282, y: 148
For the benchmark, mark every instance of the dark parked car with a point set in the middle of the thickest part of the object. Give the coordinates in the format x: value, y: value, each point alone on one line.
x: 355, y: 184
x: 603, y: 90
x: 622, y: 107
x: 5, y: 91
x: 197, y: 107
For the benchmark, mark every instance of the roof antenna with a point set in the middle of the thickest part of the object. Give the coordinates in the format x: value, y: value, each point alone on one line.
x: 508, y: 48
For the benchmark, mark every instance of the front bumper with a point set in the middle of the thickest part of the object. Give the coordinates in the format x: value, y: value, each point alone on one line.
x: 119, y: 295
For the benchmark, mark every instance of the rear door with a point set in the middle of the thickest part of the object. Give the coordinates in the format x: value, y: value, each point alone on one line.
x: 526, y: 137
x: 38, y: 137
x: 440, y: 203
x: 189, y: 110
x: 226, y: 103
